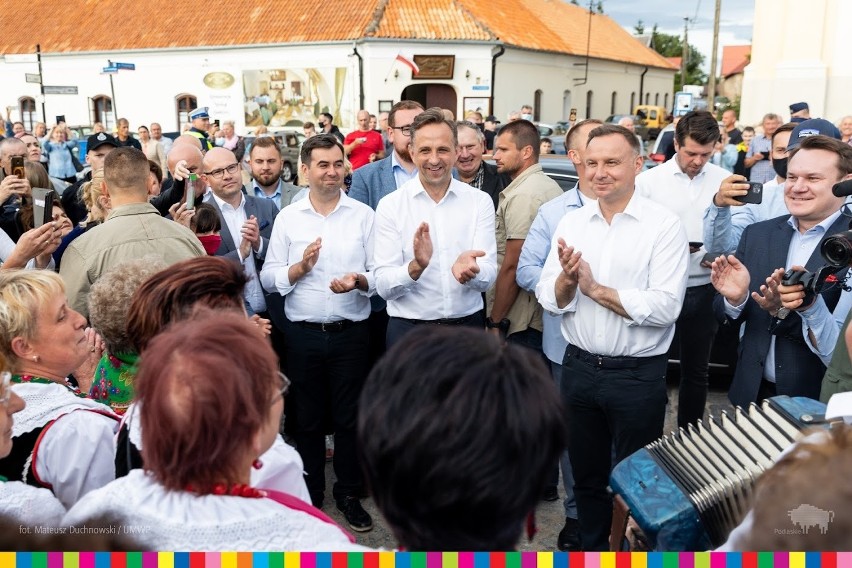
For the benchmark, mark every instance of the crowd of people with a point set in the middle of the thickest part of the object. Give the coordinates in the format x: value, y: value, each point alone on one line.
x: 183, y: 333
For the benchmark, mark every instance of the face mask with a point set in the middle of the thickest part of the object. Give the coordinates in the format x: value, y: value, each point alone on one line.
x: 211, y: 243
x: 527, y: 117
x: 780, y: 167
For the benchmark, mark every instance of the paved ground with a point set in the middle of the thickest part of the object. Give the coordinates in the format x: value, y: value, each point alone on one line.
x: 549, y: 516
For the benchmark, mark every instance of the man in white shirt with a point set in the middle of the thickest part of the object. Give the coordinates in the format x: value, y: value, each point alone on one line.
x: 157, y: 134
x: 686, y: 185
x: 435, y: 242
x: 617, y: 273
x: 320, y: 259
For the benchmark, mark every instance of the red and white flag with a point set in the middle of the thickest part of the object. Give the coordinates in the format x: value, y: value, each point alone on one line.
x: 408, y: 63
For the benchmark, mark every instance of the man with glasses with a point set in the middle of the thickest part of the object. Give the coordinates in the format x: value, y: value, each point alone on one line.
x: 376, y: 180
x: 246, y: 222
x: 784, y: 348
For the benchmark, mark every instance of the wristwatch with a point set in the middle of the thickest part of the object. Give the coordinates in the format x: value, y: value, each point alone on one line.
x: 782, y: 313
x: 502, y: 325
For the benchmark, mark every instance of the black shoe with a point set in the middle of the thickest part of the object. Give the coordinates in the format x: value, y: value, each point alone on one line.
x: 359, y: 520
x: 550, y: 494
x: 569, y: 536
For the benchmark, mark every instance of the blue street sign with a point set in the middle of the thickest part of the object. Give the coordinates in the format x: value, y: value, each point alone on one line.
x: 127, y: 66
x: 110, y: 69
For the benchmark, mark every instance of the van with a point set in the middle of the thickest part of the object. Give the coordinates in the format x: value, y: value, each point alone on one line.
x: 656, y: 118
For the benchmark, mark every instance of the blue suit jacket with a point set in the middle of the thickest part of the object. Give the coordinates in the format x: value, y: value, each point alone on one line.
x: 265, y: 211
x: 798, y: 372
x: 372, y: 182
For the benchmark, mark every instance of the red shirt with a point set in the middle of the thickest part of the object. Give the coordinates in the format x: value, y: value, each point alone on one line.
x: 360, y: 154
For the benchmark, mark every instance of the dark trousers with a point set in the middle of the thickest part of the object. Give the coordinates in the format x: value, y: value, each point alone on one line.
x: 327, y: 370
x: 399, y: 327
x: 626, y: 407
x: 378, y: 332
x: 696, y: 328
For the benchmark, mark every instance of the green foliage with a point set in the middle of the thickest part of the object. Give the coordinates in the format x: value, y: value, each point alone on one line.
x: 669, y: 45
x: 639, y: 28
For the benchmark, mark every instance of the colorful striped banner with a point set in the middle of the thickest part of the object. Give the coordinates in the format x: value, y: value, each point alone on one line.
x: 425, y: 560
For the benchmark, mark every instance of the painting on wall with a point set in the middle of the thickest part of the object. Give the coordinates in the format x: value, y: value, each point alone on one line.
x: 290, y: 97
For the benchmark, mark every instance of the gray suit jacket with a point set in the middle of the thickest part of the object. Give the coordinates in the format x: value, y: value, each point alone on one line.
x: 265, y: 211
x: 798, y: 372
x: 372, y: 182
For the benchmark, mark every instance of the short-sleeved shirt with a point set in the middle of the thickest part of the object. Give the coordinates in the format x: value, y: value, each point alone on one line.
x: 360, y: 154
x: 761, y: 171
x: 516, y: 209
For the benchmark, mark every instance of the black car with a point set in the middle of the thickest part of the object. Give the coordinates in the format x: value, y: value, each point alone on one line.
x: 559, y: 168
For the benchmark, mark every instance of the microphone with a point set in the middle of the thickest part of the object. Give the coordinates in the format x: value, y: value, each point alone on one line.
x: 842, y: 189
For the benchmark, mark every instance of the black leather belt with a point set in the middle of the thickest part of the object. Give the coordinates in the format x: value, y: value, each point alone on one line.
x: 445, y: 321
x: 329, y: 326
x: 603, y: 361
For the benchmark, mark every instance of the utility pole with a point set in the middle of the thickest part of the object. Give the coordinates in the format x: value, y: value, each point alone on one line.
x: 40, y: 83
x: 711, y: 86
x: 685, y: 54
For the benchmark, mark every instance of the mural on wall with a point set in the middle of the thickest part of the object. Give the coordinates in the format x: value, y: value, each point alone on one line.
x: 292, y: 96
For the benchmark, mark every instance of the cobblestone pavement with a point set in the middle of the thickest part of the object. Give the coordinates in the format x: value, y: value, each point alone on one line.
x: 549, y: 516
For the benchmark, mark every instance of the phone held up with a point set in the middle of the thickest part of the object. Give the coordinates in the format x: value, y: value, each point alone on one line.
x: 42, y: 206
x: 18, y: 167
x: 754, y: 195
x: 189, y: 196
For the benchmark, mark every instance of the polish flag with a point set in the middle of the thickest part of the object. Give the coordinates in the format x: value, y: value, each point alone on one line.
x: 408, y: 63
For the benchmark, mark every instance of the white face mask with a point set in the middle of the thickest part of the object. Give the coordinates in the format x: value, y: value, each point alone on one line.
x: 527, y: 117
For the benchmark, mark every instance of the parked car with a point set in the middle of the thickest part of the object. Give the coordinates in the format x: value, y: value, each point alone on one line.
x: 656, y: 118
x: 556, y: 137
x: 560, y: 169
x: 638, y: 124
x: 290, y: 143
x: 657, y: 153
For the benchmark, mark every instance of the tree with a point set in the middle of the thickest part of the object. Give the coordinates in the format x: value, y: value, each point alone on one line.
x: 669, y: 45
x: 639, y: 28
x: 599, y: 8
x: 575, y: 2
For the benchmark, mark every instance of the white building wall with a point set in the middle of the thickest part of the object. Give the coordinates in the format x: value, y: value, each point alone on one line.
x: 559, y: 77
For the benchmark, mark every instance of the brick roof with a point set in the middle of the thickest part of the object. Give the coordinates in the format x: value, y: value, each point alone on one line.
x: 118, y: 25
x: 734, y: 59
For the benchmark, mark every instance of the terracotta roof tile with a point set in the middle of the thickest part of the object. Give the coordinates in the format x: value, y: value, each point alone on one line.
x: 734, y: 59
x: 117, y: 25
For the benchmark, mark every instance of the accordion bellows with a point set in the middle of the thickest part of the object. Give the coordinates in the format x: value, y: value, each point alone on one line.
x: 689, y: 489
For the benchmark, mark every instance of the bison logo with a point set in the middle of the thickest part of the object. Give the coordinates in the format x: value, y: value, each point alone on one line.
x: 806, y: 516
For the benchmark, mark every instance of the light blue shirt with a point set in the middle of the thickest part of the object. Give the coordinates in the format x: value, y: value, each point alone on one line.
x: 275, y: 197
x: 400, y: 174
x: 817, y: 319
x: 723, y: 226
x: 534, y: 253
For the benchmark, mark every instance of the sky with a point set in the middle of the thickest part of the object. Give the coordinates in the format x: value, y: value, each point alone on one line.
x: 735, y: 24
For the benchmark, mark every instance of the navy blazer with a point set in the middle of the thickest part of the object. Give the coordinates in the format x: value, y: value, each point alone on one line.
x: 265, y: 211
x: 372, y: 182
x: 763, y: 247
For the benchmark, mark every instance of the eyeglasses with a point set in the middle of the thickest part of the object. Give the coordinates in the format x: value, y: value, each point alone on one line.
x: 218, y: 174
x: 6, y: 388
x: 406, y: 130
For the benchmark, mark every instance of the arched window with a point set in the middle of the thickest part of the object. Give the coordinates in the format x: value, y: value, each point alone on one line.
x: 589, y: 95
x: 647, y: 98
x: 666, y: 101
x: 613, y: 102
x: 537, y: 105
x: 657, y: 99
x: 184, y: 104
x: 101, y: 111
x: 566, y: 103
x: 632, y: 100
x: 28, y: 112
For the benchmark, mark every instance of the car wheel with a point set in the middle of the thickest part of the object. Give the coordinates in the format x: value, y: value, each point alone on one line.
x: 287, y: 172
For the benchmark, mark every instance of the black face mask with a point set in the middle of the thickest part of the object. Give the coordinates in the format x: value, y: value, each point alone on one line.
x: 780, y: 167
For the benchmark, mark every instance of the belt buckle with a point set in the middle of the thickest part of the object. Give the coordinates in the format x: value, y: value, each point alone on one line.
x: 328, y: 326
x: 600, y: 361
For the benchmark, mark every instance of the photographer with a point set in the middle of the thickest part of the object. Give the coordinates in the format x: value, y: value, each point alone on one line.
x: 784, y: 349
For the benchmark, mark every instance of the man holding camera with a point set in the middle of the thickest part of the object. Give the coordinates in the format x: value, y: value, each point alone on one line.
x: 784, y: 349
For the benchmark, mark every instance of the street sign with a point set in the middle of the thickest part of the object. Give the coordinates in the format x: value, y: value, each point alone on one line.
x: 33, y: 77
x: 682, y: 103
x: 127, y: 66
x: 481, y: 87
x: 60, y: 90
x: 110, y: 69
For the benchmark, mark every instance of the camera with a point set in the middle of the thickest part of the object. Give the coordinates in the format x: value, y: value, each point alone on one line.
x: 837, y: 249
x: 812, y: 281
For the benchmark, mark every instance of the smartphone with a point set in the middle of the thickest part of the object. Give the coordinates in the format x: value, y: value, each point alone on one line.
x: 695, y: 244
x: 189, y: 196
x: 60, y: 118
x: 754, y: 195
x: 711, y: 256
x: 42, y: 206
x: 18, y: 167
x: 572, y: 116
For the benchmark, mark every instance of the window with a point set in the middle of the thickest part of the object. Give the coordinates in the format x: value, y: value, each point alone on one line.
x: 537, y: 105
x: 612, y: 103
x: 566, y: 103
x: 184, y: 104
x: 28, y: 112
x: 102, y: 112
x: 647, y: 98
x: 666, y: 101
x: 657, y: 99
x: 589, y: 95
x: 632, y: 100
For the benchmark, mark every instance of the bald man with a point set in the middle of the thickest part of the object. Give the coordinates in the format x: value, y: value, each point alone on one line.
x: 365, y: 145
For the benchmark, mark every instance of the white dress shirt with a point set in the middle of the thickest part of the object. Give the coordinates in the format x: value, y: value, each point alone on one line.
x: 462, y: 220
x: 234, y: 219
x: 687, y: 198
x: 643, y: 254
x: 347, y: 246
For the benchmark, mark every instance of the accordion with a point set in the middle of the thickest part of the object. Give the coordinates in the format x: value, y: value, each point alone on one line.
x: 691, y: 488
